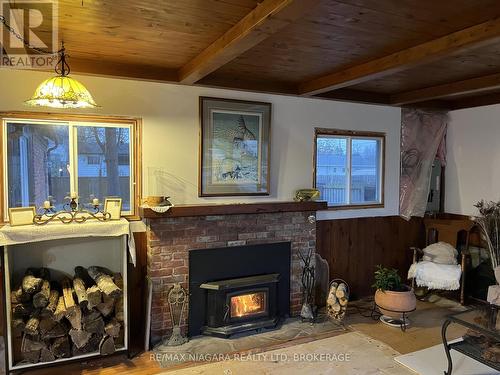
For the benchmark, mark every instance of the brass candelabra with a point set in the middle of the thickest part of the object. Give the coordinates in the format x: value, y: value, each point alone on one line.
x: 72, y: 212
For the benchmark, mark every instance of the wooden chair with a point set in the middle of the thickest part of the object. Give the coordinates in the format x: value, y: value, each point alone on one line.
x: 448, y: 230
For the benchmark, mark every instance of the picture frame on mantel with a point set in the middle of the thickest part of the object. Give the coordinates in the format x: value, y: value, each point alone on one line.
x: 113, y: 206
x: 21, y: 215
x: 235, y: 147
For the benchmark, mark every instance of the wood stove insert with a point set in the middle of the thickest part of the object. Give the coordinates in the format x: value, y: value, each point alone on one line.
x: 258, y: 274
x: 241, y: 304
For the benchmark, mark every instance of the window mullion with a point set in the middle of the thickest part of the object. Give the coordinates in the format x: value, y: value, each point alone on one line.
x: 349, y: 164
x: 132, y: 161
x: 73, y: 158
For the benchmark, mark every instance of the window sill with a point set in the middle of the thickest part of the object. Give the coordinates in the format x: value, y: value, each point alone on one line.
x: 355, y: 207
x: 132, y: 217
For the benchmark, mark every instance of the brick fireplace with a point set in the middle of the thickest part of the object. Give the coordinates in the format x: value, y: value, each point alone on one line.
x: 171, y: 236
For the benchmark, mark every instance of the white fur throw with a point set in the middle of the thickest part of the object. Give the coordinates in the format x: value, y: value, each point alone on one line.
x: 436, y: 276
x: 441, y: 252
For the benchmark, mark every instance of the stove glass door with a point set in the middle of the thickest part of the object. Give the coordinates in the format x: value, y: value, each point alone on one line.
x: 248, y: 304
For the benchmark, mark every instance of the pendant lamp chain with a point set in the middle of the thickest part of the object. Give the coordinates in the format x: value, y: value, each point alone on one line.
x: 62, y: 67
x: 20, y: 38
x: 60, y: 91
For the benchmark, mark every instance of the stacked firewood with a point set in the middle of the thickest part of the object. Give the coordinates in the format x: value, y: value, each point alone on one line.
x: 336, y: 302
x: 71, y: 317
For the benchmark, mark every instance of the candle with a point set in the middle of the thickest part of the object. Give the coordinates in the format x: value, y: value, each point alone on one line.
x: 95, y: 201
x: 46, y: 204
x: 73, y: 195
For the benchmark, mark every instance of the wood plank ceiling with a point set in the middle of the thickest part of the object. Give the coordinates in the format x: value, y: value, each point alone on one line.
x: 398, y: 52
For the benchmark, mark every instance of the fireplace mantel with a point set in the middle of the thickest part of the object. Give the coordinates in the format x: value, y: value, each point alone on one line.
x: 233, y: 209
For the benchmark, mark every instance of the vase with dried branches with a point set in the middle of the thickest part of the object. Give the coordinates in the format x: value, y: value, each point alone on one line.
x: 489, y: 222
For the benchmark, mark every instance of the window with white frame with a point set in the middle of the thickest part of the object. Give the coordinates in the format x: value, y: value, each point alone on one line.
x: 52, y: 158
x: 349, y: 167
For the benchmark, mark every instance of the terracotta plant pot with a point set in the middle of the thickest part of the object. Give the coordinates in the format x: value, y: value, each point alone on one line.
x: 393, y: 304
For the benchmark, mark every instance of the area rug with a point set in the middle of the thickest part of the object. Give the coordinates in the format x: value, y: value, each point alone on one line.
x: 291, y: 332
x: 346, y: 354
x: 432, y: 361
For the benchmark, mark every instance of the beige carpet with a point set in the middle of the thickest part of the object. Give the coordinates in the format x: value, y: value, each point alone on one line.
x: 291, y: 331
x: 424, y: 331
x: 350, y: 354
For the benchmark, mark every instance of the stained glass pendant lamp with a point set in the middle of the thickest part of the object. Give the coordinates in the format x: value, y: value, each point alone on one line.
x: 62, y: 91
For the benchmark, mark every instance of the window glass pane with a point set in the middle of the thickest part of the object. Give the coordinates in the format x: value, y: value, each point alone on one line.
x: 365, y: 170
x: 331, y: 169
x: 104, y: 163
x: 37, y: 163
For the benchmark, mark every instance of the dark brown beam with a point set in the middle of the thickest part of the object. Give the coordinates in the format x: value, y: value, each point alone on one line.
x: 357, y: 96
x: 447, y: 90
x: 442, y: 105
x: 475, y: 101
x: 237, y: 83
x: 120, y: 70
x: 460, y: 41
x: 99, y: 67
x: 286, y: 88
x: 267, y: 18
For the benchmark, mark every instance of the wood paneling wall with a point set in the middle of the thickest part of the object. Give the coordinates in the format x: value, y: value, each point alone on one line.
x: 137, y: 295
x: 354, y: 247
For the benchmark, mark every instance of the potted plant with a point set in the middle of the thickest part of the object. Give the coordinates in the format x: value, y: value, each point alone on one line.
x: 392, y: 296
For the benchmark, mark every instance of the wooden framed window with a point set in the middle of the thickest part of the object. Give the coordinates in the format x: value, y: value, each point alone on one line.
x: 349, y: 168
x: 54, y: 154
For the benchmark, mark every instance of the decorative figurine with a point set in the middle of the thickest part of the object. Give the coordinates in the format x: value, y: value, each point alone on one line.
x: 306, y: 195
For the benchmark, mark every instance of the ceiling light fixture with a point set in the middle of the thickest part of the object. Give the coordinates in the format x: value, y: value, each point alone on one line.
x: 62, y: 91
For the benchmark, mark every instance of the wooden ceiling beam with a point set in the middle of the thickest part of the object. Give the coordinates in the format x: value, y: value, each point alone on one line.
x: 266, y: 19
x: 447, y: 90
x: 475, y: 101
x: 122, y: 70
x: 285, y: 88
x: 442, y: 105
x: 472, y: 37
x: 238, y: 83
x: 357, y: 96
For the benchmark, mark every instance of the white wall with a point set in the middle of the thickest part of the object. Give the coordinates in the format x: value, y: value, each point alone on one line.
x: 171, y: 121
x: 473, y: 158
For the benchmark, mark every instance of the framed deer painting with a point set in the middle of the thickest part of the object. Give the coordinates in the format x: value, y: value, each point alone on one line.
x: 234, y: 147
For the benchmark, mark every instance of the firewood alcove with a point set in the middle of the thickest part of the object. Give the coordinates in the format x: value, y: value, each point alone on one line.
x: 65, y: 299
